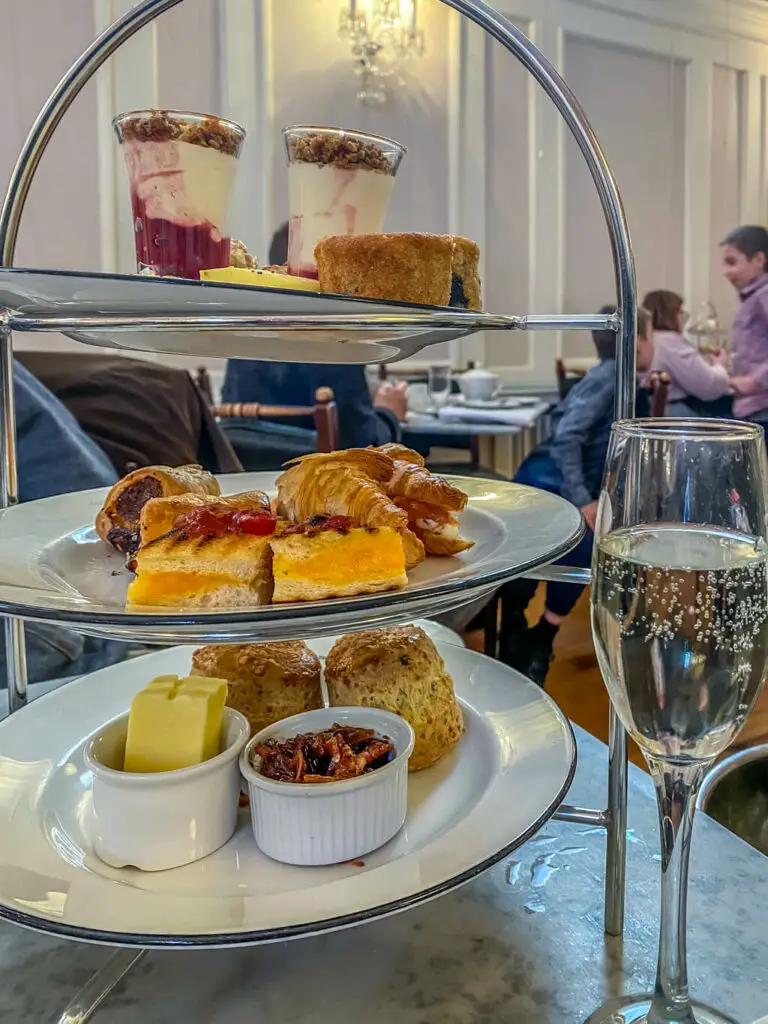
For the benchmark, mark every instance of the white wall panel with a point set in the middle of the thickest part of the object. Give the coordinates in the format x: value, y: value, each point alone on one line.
x: 727, y: 158
x: 636, y: 104
x: 508, y: 196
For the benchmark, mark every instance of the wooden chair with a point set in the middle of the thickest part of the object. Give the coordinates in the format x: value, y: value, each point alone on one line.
x: 324, y: 413
x: 658, y: 385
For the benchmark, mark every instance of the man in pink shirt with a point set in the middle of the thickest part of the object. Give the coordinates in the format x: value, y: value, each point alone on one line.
x: 745, y: 261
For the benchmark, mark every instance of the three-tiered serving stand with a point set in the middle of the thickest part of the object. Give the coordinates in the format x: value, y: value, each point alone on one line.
x: 410, y: 330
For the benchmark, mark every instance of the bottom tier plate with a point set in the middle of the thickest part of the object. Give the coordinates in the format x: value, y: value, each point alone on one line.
x: 505, y: 779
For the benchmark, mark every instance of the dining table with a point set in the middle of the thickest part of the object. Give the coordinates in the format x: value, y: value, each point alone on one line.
x: 523, y: 943
x: 492, y: 443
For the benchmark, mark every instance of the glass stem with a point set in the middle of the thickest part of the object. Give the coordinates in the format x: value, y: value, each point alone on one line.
x: 676, y: 789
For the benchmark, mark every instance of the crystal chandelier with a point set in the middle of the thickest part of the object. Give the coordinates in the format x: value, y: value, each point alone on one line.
x: 383, y: 36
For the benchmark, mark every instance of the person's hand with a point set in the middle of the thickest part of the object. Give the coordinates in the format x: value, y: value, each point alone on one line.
x: 590, y: 514
x: 392, y: 397
x: 744, y: 386
x: 720, y: 358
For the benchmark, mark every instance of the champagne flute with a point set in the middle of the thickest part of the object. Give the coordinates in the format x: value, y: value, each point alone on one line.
x: 680, y: 623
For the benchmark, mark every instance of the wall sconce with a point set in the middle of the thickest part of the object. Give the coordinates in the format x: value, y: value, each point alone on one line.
x: 383, y: 36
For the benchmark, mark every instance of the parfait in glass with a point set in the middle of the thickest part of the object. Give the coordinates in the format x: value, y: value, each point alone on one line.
x: 181, y: 170
x: 339, y: 183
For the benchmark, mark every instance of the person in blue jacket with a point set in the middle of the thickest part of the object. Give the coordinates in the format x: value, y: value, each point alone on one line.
x: 54, y: 456
x: 364, y: 419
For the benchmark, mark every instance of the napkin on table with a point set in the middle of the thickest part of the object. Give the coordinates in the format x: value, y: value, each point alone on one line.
x: 521, y: 417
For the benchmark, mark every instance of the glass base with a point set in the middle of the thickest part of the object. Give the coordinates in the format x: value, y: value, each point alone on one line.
x: 634, y: 1010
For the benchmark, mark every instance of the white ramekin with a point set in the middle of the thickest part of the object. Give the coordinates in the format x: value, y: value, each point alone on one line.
x: 159, y: 820
x: 330, y: 822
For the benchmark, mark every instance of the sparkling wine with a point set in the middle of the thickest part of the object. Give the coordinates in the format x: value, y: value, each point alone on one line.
x: 680, y: 618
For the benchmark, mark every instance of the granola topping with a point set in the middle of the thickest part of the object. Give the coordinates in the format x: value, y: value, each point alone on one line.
x: 341, y: 151
x: 240, y: 257
x: 165, y: 126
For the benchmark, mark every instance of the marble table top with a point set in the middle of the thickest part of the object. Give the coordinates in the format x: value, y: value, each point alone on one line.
x: 523, y: 944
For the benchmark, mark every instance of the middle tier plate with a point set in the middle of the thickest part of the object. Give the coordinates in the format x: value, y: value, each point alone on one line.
x: 54, y: 567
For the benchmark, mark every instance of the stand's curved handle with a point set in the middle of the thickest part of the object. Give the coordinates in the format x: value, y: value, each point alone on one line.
x: 512, y: 39
x: 56, y: 106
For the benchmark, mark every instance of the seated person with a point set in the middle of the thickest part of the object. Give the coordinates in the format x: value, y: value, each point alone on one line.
x: 138, y: 412
x: 54, y: 456
x: 363, y: 420
x: 570, y: 464
x: 697, y: 387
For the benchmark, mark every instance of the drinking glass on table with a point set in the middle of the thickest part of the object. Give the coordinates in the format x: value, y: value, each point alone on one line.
x: 680, y: 623
x: 439, y: 384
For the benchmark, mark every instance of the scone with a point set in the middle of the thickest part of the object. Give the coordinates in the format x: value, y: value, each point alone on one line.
x: 398, y: 669
x: 435, y: 270
x: 328, y: 556
x: 265, y: 682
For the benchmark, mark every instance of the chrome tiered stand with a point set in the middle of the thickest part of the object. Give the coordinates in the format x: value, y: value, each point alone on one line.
x: 614, y: 817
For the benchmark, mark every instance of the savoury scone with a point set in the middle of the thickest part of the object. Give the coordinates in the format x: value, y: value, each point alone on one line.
x: 398, y: 669
x: 265, y: 682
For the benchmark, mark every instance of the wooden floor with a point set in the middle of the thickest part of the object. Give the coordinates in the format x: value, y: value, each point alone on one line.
x: 574, y: 679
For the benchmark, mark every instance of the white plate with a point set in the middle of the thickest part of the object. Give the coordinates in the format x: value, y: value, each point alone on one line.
x: 492, y: 793
x: 39, y: 294
x: 53, y: 566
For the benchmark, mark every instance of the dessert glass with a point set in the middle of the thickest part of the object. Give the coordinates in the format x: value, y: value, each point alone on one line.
x: 339, y: 183
x: 181, y: 169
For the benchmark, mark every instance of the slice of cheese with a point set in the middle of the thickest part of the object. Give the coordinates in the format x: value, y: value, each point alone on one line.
x: 336, y: 564
x: 175, y: 723
x: 173, y: 588
x: 260, y: 279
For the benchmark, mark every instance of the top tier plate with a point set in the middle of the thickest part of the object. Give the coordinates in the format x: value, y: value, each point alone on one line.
x: 198, y: 318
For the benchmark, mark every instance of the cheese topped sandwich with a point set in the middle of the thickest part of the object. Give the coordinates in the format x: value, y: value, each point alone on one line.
x: 328, y: 556
x: 215, y: 556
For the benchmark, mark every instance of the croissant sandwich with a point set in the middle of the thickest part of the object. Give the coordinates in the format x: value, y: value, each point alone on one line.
x: 118, y: 520
x: 349, y: 483
x: 431, y: 503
